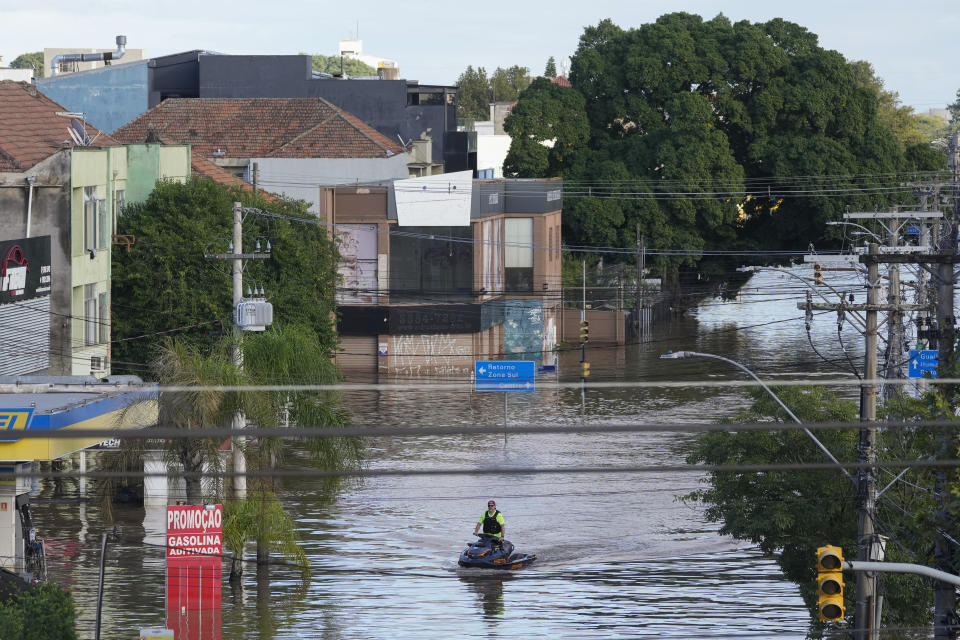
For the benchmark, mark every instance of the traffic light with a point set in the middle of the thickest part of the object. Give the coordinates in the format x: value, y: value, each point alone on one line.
x: 829, y: 583
x: 817, y: 273
x: 585, y: 369
x: 584, y: 331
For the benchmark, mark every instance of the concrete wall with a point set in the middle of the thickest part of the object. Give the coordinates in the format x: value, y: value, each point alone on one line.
x: 606, y: 327
x: 110, y: 96
x: 301, y: 178
x: 51, y: 207
x: 147, y: 163
x: 491, y: 152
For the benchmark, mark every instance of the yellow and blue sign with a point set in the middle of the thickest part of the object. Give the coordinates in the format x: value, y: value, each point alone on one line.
x: 14, y: 420
x: 70, y: 412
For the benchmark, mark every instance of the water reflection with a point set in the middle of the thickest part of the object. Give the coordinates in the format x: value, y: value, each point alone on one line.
x: 488, y: 588
x: 384, y: 554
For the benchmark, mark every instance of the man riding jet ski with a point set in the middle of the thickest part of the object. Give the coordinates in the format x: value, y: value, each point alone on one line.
x: 491, y: 550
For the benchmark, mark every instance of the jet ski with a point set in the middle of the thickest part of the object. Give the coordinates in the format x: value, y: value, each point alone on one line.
x: 490, y: 552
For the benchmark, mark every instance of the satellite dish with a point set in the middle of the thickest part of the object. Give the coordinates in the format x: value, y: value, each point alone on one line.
x: 81, y: 132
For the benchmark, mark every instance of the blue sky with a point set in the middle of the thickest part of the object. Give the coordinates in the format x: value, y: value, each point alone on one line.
x: 914, y: 48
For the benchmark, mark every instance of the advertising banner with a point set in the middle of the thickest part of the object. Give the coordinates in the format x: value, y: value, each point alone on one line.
x: 194, y: 570
x: 24, y: 269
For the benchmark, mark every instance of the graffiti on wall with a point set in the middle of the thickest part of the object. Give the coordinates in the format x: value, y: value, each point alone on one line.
x: 436, y: 354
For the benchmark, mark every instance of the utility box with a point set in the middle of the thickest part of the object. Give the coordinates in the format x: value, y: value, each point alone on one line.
x: 253, y: 314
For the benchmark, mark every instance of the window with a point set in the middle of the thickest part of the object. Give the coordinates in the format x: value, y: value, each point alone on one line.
x: 518, y: 254
x: 102, y: 314
x: 95, y: 227
x: 119, y: 200
x: 90, y: 334
x: 89, y: 218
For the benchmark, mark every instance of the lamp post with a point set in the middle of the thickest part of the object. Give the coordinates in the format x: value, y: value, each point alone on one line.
x: 696, y: 354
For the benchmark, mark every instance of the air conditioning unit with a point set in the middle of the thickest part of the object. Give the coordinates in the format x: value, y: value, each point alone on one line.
x: 253, y: 315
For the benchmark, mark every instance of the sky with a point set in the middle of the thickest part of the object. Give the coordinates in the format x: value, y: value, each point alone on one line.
x: 913, y: 48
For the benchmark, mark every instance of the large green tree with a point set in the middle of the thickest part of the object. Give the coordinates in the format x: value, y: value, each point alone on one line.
x: 165, y: 286
x: 686, y: 117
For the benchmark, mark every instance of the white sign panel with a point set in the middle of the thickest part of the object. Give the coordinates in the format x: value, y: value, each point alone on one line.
x: 435, y: 201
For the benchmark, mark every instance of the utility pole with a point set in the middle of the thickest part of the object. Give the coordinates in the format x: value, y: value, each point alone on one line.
x: 893, y: 361
x: 866, y: 489
x: 944, y: 594
x: 262, y: 312
x: 865, y: 618
x: 238, y: 442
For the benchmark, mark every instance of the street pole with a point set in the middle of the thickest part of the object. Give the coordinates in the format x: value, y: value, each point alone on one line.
x: 239, y: 421
x: 944, y: 594
x: 894, y: 354
x: 866, y: 490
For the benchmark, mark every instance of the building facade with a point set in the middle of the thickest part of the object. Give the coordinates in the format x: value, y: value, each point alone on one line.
x: 404, y: 111
x: 58, y: 204
x: 421, y: 298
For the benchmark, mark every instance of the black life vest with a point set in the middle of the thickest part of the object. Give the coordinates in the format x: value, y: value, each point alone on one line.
x: 490, y: 524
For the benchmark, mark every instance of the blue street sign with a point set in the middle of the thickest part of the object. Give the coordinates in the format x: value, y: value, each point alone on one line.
x: 922, y: 362
x: 913, y: 230
x: 504, y: 375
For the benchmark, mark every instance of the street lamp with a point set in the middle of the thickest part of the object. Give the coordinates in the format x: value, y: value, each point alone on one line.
x: 834, y: 223
x: 671, y: 355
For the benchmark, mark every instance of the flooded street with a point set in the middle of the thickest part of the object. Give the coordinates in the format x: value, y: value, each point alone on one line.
x: 618, y: 554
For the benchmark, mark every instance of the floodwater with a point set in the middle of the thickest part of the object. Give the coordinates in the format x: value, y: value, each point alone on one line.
x: 618, y: 554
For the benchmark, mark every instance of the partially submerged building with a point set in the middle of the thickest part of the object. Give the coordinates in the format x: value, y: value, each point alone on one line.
x: 438, y: 272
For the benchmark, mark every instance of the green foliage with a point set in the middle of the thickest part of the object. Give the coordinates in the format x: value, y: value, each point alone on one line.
x: 476, y: 91
x: 789, y: 514
x: 30, y: 61
x: 260, y: 517
x: 684, y: 108
x: 551, y: 70
x: 42, y: 612
x: 164, y: 284
x: 473, y: 94
x: 331, y: 64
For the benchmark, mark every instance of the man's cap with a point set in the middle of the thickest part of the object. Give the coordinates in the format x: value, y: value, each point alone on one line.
x: 492, y: 502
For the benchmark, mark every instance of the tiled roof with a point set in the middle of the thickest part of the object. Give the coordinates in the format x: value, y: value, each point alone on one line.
x: 31, y: 130
x: 260, y: 128
x: 207, y: 169
x: 561, y: 81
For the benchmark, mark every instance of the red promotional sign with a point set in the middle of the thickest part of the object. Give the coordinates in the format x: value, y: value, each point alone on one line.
x: 194, y: 531
x: 194, y: 570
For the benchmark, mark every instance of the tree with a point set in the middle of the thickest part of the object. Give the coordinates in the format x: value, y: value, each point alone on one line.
x: 30, y: 61
x: 686, y: 113
x: 473, y: 97
x: 789, y: 514
x: 476, y: 91
x: 551, y: 70
x: 42, y: 612
x: 334, y: 64
x: 164, y: 284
